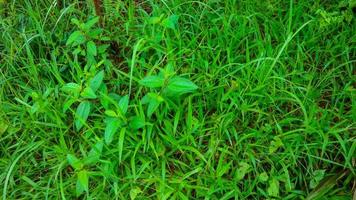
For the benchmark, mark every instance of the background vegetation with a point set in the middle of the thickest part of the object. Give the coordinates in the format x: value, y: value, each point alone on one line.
x: 213, y: 99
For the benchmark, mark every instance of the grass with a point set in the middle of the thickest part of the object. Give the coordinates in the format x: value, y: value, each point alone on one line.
x: 178, y: 100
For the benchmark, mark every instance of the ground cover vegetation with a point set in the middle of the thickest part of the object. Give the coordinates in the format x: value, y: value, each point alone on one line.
x: 213, y: 99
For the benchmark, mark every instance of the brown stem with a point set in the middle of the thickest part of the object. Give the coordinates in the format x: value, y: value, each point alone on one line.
x: 98, y: 7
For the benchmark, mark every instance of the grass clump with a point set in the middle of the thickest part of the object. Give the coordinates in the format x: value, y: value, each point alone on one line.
x: 177, y: 100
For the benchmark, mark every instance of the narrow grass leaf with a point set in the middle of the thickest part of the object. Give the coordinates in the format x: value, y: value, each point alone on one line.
x: 121, y: 142
x: 326, y: 185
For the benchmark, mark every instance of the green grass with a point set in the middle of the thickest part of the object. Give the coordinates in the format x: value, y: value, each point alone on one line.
x: 178, y: 100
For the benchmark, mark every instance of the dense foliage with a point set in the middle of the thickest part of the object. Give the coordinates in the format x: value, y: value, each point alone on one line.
x: 213, y: 99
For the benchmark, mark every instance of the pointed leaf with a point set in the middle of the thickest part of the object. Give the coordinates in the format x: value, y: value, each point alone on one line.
x: 91, y: 48
x: 75, y: 38
x: 88, y: 93
x: 112, y: 126
x: 124, y: 104
x: 121, y: 142
x: 154, y: 100
x: 171, y: 22
x: 91, y: 23
x: 145, y: 99
x: 68, y: 104
x: 72, y: 88
x: 103, y: 91
x: 83, y: 179
x: 179, y: 86
x: 95, y: 153
x: 152, y: 81
x: 97, y: 80
x: 110, y: 113
x: 79, y: 189
x: 74, y: 162
x: 82, y: 114
x: 137, y: 123
x: 154, y: 20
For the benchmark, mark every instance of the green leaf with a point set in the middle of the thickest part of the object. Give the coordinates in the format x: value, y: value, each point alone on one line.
x: 168, y: 71
x: 94, y: 153
x: 91, y: 48
x: 112, y: 125
x: 124, y: 104
x: 170, y: 22
x: 153, y: 100
x: 121, y: 142
x: 68, y: 104
x: 155, y: 20
x: 97, y: 80
x: 152, y: 81
x: 263, y: 177
x: 75, y: 21
x: 103, y: 91
x: 327, y: 184
x: 243, y: 169
x: 222, y: 169
x: 179, y: 86
x: 152, y: 107
x: 90, y: 23
x: 72, y: 88
x: 137, y: 123
x: 83, y: 180
x: 318, y: 175
x: 3, y: 127
x: 95, y: 34
x: 88, y: 93
x: 275, y: 145
x: 79, y: 189
x: 134, y: 192
x: 76, y: 38
x: 82, y: 114
x: 110, y: 113
x: 74, y: 162
x: 273, y: 188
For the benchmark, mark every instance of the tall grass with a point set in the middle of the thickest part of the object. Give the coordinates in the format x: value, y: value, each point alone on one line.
x: 177, y: 100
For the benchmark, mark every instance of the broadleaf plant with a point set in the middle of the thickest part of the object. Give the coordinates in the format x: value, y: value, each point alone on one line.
x: 163, y: 86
